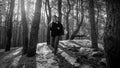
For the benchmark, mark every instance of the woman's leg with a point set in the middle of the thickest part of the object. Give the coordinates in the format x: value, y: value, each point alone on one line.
x: 56, y: 44
x: 52, y: 42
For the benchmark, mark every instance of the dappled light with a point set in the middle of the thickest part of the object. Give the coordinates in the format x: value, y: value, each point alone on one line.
x: 12, y: 54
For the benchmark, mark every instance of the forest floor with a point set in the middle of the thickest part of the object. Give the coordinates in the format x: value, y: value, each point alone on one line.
x: 71, y: 54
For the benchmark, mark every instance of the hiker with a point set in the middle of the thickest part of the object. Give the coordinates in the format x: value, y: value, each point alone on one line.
x: 57, y: 30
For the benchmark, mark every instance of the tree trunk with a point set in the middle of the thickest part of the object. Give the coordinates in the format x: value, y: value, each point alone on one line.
x: 9, y: 26
x: 0, y: 30
x: 67, y: 19
x: 79, y: 24
x: 25, y: 28
x: 112, y: 34
x: 93, y: 25
x: 34, y: 30
x: 14, y: 34
x: 19, y: 35
x: 77, y: 10
x: 3, y: 37
x: 18, y: 25
x: 28, y: 10
x: 97, y: 22
x: 49, y: 19
x: 59, y: 12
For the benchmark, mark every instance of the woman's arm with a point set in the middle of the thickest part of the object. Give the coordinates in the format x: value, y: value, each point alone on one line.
x: 50, y: 26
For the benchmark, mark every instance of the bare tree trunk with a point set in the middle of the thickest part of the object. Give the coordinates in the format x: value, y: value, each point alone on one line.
x: 112, y: 34
x: 18, y: 25
x: 79, y: 24
x: 49, y: 19
x: 0, y: 30
x: 14, y: 35
x: 34, y: 30
x: 3, y: 36
x: 97, y: 23
x: 18, y: 32
x: 19, y: 35
x: 25, y: 28
x: 67, y: 19
x: 77, y: 10
x: 59, y: 13
x: 59, y: 10
x: 28, y: 10
x: 9, y: 26
x: 93, y: 25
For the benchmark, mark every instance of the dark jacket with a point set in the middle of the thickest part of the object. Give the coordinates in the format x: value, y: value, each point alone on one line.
x: 56, y: 29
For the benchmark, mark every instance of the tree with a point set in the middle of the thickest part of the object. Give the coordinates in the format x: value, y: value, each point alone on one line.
x: 0, y: 35
x: 49, y: 19
x: 93, y: 25
x: 59, y: 10
x: 18, y: 25
x: 34, y: 30
x: 112, y: 33
x: 9, y: 26
x: 25, y: 28
x: 79, y: 24
x: 67, y: 19
x: 1, y: 5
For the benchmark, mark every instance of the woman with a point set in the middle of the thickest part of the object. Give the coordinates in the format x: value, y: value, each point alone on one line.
x: 56, y: 29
